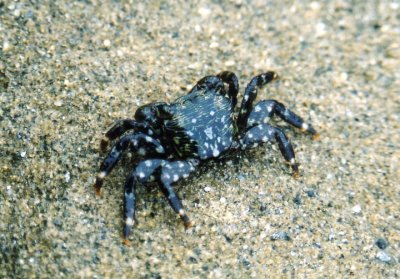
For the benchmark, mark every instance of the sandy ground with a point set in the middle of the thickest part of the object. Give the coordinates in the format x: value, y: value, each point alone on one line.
x: 68, y: 71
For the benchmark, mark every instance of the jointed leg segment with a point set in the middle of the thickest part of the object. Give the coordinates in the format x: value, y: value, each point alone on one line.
x: 264, y: 110
x: 165, y: 173
x: 122, y: 126
x: 250, y: 95
x: 140, y: 143
x: 263, y: 133
x: 231, y: 79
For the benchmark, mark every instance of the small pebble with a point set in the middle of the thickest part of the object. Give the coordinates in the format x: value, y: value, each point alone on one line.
x: 241, y: 177
x: 107, y: 43
x: 58, y: 103
x: 67, y: 176
x: 280, y: 236
x: 6, y: 46
x: 383, y: 257
x: 297, y: 200
x: 381, y: 243
x: 204, y: 11
x: 356, y: 209
x: 310, y: 193
x: 207, y: 189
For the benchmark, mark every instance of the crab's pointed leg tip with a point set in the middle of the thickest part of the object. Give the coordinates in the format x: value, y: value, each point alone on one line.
x: 189, y: 224
x: 295, y: 174
x: 104, y: 144
x: 316, y: 136
x: 99, y: 182
x: 97, y: 191
x: 127, y: 242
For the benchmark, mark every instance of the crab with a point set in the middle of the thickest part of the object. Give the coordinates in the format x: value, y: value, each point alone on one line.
x: 170, y: 141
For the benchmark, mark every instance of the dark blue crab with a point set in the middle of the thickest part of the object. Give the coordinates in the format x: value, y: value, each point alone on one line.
x: 171, y: 140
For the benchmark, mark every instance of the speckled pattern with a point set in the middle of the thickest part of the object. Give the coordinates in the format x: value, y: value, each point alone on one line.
x: 69, y: 69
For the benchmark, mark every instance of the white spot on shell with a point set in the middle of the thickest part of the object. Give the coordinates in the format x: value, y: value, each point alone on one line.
x: 180, y: 164
x: 257, y: 108
x: 194, y: 120
x: 148, y: 163
x: 264, y: 139
x: 212, y: 113
x: 148, y: 139
x: 215, y: 152
x: 304, y: 126
x: 176, y: 177
x: 142, y: 175
x: 209, y: 133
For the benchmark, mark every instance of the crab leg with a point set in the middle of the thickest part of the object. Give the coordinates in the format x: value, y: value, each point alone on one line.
x: 120, y: 127
x: 263, y: 133
x: 140, y: 143
x: 145, y: 171
x: 266, y: 109
x: 250, y: 95
x: 171, y: 172
x: 231, y: 79
x: 142, y: 173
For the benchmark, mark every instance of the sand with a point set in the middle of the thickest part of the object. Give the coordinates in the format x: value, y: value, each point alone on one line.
x: 69, y: 69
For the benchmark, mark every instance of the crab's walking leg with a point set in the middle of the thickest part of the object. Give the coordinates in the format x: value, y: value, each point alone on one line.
x: 122, y: 126
x: 263, y: 133
x: 266, y: 109
x: 231, y: 79
x: 142, y: 173
x: 171, y: 173
x: 250, y: 95
x: 140, y: 143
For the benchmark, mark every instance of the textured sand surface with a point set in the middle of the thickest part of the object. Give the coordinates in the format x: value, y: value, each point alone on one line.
x: 69, y: 70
